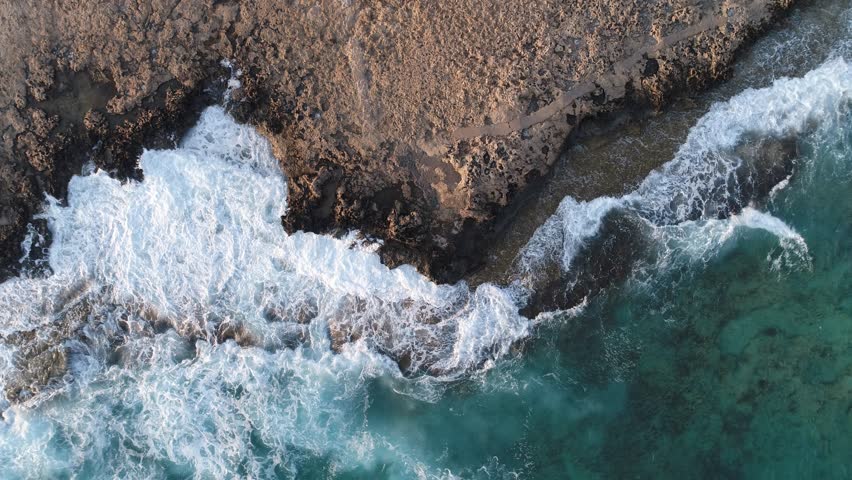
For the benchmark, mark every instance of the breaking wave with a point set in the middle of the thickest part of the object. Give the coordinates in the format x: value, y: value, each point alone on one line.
x: 736, y: 157
x: 155, y: 288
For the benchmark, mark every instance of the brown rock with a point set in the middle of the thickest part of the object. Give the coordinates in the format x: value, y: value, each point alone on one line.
x: 448, y: 108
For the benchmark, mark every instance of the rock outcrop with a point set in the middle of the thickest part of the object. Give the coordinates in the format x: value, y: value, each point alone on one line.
x: 416, y: 122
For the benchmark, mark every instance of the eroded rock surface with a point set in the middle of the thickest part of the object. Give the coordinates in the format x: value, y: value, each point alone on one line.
x: 414, y: 121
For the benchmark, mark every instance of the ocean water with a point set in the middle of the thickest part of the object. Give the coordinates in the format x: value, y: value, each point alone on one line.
x: 173, y: 330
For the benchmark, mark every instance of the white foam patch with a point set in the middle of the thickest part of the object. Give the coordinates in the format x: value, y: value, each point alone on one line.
x: 199, y: 244
x: 704, y: 240
x: 560, y: 238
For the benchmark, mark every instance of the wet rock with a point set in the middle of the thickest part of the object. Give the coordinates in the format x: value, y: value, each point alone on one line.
x: 41, y: 357
x: 236, y: 332
x: 38, y: 367
x: 95, y: 123
x: 603, y: 261
x: 767, y: 161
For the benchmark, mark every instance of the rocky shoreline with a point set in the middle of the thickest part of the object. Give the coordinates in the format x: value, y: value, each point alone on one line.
x: 417, y: 123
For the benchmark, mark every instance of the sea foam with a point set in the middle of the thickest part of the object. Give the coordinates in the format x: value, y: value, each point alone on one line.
x: 197, y: 248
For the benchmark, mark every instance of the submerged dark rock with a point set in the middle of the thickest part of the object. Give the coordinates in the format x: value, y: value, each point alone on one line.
x: 767, y: 161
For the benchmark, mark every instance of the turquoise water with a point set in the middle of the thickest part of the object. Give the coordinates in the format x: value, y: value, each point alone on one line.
x: 192, y: 338
x: 735, y: 363
x: 731, y: 365
x: 729, y: 370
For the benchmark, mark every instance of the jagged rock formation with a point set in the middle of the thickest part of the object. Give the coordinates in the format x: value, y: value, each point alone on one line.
x: 415, y: 121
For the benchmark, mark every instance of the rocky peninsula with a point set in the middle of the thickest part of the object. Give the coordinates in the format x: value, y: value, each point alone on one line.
x: 415, y: 122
